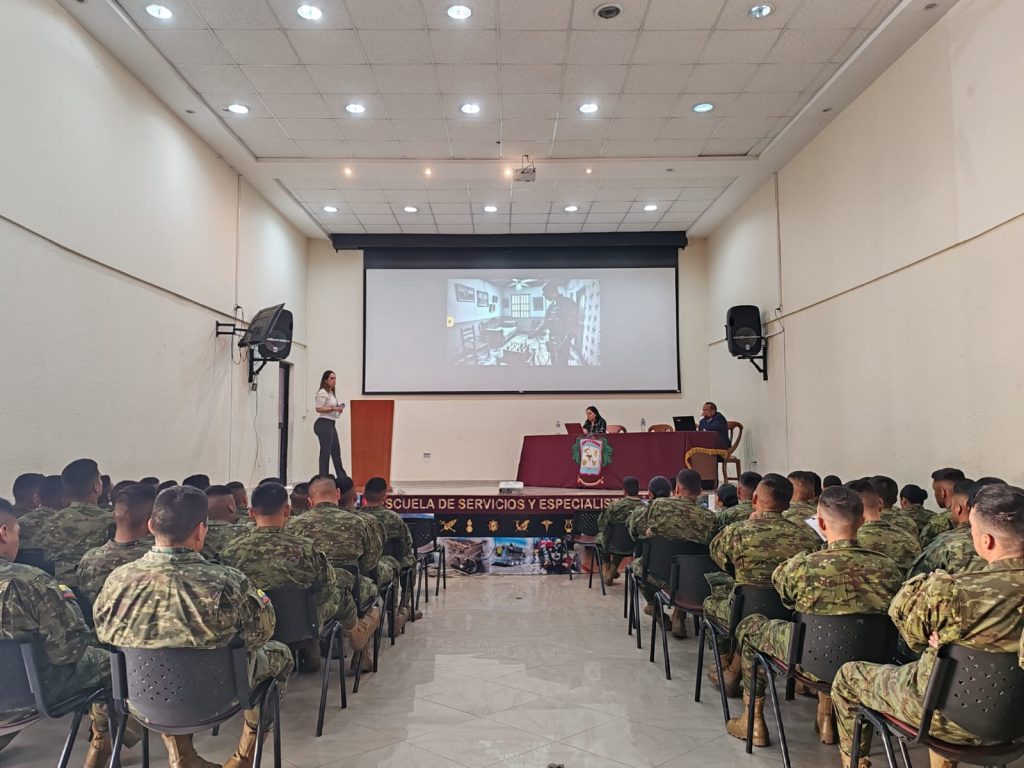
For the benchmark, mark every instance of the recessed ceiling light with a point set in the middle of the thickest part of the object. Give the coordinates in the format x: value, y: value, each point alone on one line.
x: 238, y: 109
x: 159, y: 11
x: 650, y: 207
x: 759, y: 11
x: 470, y: 109
x: 508, y: 171
x: 588, y: 108
x: 355, y: 109
x: 330, y: 209
x: 607, y: 11
x: 571, y: 208
x: 702, y: 107
x: 348, y: 171
x: 490, y: 209
x: 410, y: 209
x: 427, y: 172
x: 309, y: 12
x: 459, y: 12
x: 590, y: 170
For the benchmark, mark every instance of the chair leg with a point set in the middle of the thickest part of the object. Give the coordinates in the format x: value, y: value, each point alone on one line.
x: 115, y: 750
x: 69, y: 742
x: 261, y: 725
x: 654, y: 626
x: 701, y: 641
x: 749, y: 746
x: 600, y: 565
x: 625, y: 597
x: 637, y: 612
x: 631, y: 605
x: 721, y: 677
x: 770, y: 684
x: 145, y: 748
x: 325, y: 681
x: 906, y: 755
x: 277, y: 728
x: 790, y: 688
x: 444, y: 568
x: 858, y: 729
x: 890, y: 756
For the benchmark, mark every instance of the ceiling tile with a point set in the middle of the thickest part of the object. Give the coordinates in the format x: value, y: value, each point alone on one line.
x: 783, y: 78
x: 366, y: 209
x: 631, y: 105
x: 530, y: 208
x: 706, y: 194
x: 446, y: 196
x: 879, y: 13
x: 760, y: 147
x: 386, y: 14
x: 535, y: 14
x: 600, y: 47
x: 831, y: 14
x: 582, y: 129
x: 327, y: 46
x: 396, y: 46
x: 727, y: 147
x: 823, y: 76
x: 419, y: 229
x: 725, y: 78
x: 678, y: 147
x: 475, y: 150
x: 577, y: 148
x: 296, y: 104
x: 357, y: 195
x: 474, y: 130
x: 738, y: 46
x: 315, y: 196
x: 310, y: 128
x: 258, y: 46
x: 236, y: 14
x: 558, y: 228
x: 532, y: 47
x: 766, y: 105
x: 853, y: 42
x: 443, y: 220
x: 464, y: 46
x: 627, y: 148
x: 405, y: 78
x: 187, y: 46
x: 342, y: 78
x: 527, y: 130
x: 797, y: 46
x: 450, y: 229
x: 635, y: 128
x: 377, y: 219
x: 279, y: 78
x: 315, y: 148
x: 568, y: 218
x: 545, y: 105
x: 259, y: 128
x: 745, y: 127
x: 414, y: 106
x: 683, y: 14
x: 335, y: 16
x: 426, y: 149
x: 594, y: 78
x: 607, y: 213
x: 657, y: 78
x: 215, y: 78
x: 485, y: 15
x: 369, y: 130
x: 450, y: 209
x: 491, y: 229
x: 696, y: 127
x: 421, y: 130
x: 467, y: 79
x: 336, y: 105
x: 658, y: 47
x: 273, y: 148
x: 531, y: 78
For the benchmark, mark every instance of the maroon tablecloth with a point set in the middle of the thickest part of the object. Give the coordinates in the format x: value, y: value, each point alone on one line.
x: 546, y: 460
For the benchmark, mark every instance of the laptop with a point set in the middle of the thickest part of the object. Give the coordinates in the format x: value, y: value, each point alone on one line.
x: 684, y: 423
x: 572, y: 428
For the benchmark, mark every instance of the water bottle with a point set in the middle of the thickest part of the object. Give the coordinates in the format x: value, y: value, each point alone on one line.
x: 643, y: 425
x: 558, y: 427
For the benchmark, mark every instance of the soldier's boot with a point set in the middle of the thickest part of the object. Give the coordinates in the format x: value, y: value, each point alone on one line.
x: 862, y: 763
x: 361, y: 633
x: 825, y: 722
x: 648, y: 609
x: 246, y: 747
x: 367, y: 665
x: 308, y: 654
x: 737, y: 727
x: 401, y: 617
x: 733, y: 673
x: 607, y: 574
x: 100, y: 749
x: 936, y: 760
x: 181, y: 753
x: 679, y: 623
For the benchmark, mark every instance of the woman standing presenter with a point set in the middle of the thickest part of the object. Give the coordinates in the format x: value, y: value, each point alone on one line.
x: 325, y: 427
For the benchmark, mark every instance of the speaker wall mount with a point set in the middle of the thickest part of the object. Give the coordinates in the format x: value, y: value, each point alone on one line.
x: 268, y: 337
x: 745, y: 338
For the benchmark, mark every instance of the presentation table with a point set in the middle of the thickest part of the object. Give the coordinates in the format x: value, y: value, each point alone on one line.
x: 547, y: 460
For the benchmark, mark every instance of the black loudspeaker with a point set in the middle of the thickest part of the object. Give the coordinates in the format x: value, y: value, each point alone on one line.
x: 270, y: 332
x: 743, y: 331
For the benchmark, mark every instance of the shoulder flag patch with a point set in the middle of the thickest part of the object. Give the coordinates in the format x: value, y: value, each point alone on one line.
x: 264, y: 598
x: 66, y: 592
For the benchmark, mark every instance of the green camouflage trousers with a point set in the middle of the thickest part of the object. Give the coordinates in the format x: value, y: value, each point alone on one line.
x: 718, y: 605
x: 770, y: 636
x: 271, y: 660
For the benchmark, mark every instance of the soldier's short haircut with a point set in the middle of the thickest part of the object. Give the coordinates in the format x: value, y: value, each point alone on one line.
x: 345, y: 484
x: 689, y: 480
x: 166, y: 484
x: 659, y: 487
x: 376, y: 489
x: 79, y: 477
x: 778, y: 487
x: 51, y: 492
x: 841, y: 505
x: 1001, y: 507
x: 265, y: 480
x: 831, y: 481
x: 320, y: 485
x: 7, y: 513
x: 963, y: 488
x: 727, y: 495
x: 120, y: 486
x: 980, y: 483
x: 887, y: 488
x: 218, y: 490
x: 302, y: 488
x: 750, y: 480
x: 948, y: 474
x: 914, y: 494
x: 816, y: 482
x: 134, y: 499
x: 238, y: 485
x: 202, y: 482
x: 268, y: 499
x: 802, y: 477
x: 177, y: 512
x: 863, y: 485
x: 150, y: 480
x: 631, y: 486
x: 26, y: 486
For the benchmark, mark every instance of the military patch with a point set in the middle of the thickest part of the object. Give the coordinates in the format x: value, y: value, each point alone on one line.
x: 66, y: 592
x: 264, y: 598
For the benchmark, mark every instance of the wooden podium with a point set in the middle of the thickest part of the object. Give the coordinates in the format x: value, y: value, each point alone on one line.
x: 372, y: 423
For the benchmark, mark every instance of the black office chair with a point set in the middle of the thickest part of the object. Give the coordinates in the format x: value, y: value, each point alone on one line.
x: 747, y: 600
x: 584, y: 532
x: 22, y: 689
x: 818, y: 647
x: 36, y: 558
x: 981, y: 692
x: 617, y: 541
x: 424, y: 532
x: 180, y: 691
x: 687, y: 588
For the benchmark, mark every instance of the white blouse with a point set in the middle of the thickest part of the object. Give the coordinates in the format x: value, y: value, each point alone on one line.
x: 325, y: 398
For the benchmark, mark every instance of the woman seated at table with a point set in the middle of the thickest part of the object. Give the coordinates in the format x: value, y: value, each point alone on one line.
x: 594, y: 425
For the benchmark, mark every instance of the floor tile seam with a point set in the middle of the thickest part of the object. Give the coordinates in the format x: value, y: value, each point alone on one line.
x: 425, y: 748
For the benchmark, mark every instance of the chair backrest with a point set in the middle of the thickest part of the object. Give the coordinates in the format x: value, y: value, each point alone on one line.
x: 735, y: 435
x: 618, y: 541
x: 423, y: 531
x: 36, y: 558
x: 749, y: 599
x: 614, y: 429
x: 295, y: 612
x: 392, y: 548
x: 661, y: 428
x: 822, y: 644
x: 180, y: 690
x: 584, y: 523
x: 687, y: 581
x: 982, y: 692
x: 16, y: 692
x: 658, y: 554
x: 85, y: 604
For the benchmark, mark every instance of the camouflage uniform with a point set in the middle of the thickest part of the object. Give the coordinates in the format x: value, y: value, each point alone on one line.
x: 919, y: 515
x: 880, y: 536
x: 940, y: 523
x: 799, y: 511
x: 737, y: 514
x: 34, y: 603
x: 173, y: 597
x: 70, y: 533
x: 983, y: 610
x: 618, y: 511
x: 845, y: 578
x: 31, y: 523
x: 753, y: 549
x: 98, y: 562
x: 220, y: 533
x: 952, y: 551
x: 669, y: 518
x: 347, y: 540
x: 272, y: 558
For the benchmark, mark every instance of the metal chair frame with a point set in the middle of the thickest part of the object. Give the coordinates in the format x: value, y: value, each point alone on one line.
x: 694, y: 588
x: 584, y: 532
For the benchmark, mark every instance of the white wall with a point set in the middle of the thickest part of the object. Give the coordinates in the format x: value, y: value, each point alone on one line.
x: 124, y: 238
x: 901, y: 235
x: 478, y: 438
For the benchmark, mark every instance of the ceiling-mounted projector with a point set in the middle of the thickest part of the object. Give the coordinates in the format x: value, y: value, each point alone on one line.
x: 526, y: 172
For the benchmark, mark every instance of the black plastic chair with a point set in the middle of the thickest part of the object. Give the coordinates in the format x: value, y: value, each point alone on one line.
x: 982, y: 692
x: 424, y: 531
x: 633, y: 594
x: 584, y: 532
x: 818, y: 647
x: 617, y: 541
x: 394, y: 548
x: 179, y: 691
x: 23, y: 689
x: 747, y: 599
x: 85, y: 604
x: 687, y: 588
x: 331, y: 642
x: 362, y: 606
x: 295, y: 616
x: 36, y: 558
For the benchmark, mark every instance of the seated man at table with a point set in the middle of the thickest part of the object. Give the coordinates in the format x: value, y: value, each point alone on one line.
x: 982, y: 610
x: 617, y: 511
x: 713, y: 421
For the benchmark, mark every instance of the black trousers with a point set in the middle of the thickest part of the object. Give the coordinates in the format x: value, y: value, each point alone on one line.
x: 330, y: 446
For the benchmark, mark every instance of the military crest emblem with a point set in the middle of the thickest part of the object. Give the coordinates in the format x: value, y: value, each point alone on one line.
x: 592, y: 453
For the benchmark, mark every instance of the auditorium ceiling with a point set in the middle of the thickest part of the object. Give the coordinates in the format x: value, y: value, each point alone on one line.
x: 390, y: 116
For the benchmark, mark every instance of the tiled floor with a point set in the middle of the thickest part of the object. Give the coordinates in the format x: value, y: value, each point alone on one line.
x: 514, y: 671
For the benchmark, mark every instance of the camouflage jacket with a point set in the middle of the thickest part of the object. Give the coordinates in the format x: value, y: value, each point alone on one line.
x: 939, y: 523
x: 737, y: 514
x: 172, y: 597
x: 345, y: 537
x: 672, y: 518
x: 842, y: 579
x: 395, y: 529
x: 754, y: 548
x: 901, y: 520
x: 69, y: 533
x: 799, y: 511
x: 220, y: 533
x: 272, y: 558
x: 31, y: 523
x: 983, y: 610
x: 952, y: 551
x: 98, y: 562
x: 896, y: 543
x: 618, y: 511
x: 919, y: 515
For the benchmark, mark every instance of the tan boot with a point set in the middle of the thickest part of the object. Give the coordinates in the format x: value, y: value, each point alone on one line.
x: 181, y: 753
x: 936, y: 760
x: 367, y: 665
x: 679, y: 624
x: 733, y: 673
x: 100, y: 749
x: 648, y: 609
x: 245, y: 750
x: 361, y: 633
x: 825, y: 722
x: 418, y: 614
x: 738, y: 725
x: 401, y: 617
x: 606, y: 574
x: 862, y: 763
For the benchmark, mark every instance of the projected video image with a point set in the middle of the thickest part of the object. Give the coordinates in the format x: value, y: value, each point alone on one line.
x: 524, y: 322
